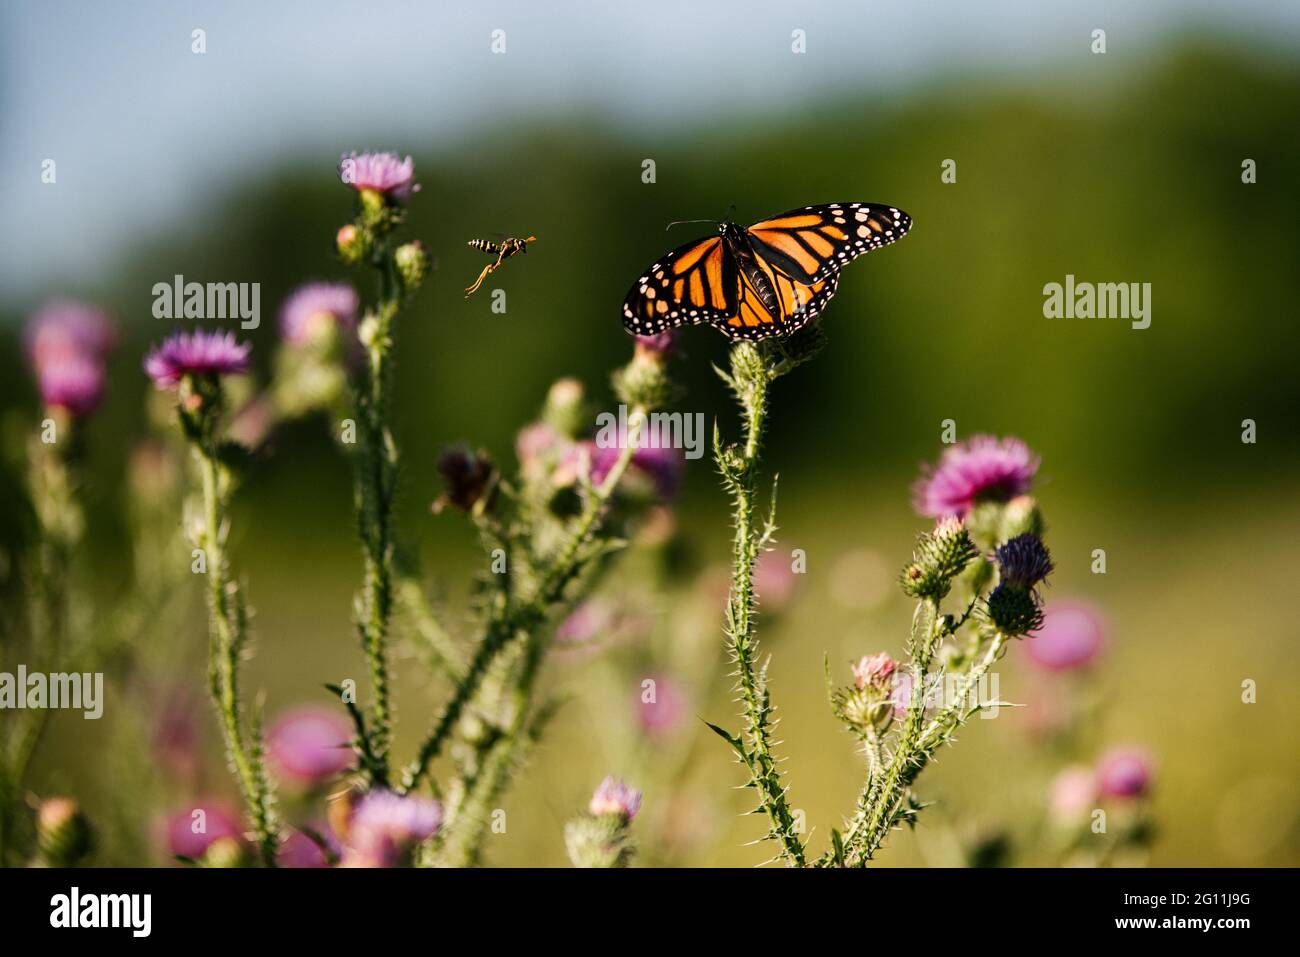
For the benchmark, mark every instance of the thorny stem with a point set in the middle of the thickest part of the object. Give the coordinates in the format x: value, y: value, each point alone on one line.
x: 525, y: 618
x: 376, y: 482
x: 879, y: 802
x: 740, y: 476
x: 228, y: 618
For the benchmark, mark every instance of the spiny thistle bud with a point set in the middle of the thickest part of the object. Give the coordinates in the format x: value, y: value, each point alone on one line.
x: 1013, y: 610
x: 797, y: 349
x: 1024, y: 561
x: 471, y: 479
x: 600, y: 838
x: 353, y: 244
x: 374, y: 209
x: 63, y: 835
x: 598, y: 841
x: 867, y: 705
x: 565, y: 410
x: 939, y: 557
x: 644, y: 381
x: 412, y: 264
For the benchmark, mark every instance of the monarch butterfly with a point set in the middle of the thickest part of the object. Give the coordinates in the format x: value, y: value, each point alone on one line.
x: 502, y: 250
x: 768, y: 279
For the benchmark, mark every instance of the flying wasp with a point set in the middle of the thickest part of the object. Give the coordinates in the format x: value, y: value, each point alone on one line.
x: 502, y: 250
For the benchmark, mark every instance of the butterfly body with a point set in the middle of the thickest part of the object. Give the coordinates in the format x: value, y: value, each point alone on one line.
x: 768, y: 279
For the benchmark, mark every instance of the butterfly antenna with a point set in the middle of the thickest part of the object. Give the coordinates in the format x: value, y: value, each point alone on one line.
x: 684, y: 222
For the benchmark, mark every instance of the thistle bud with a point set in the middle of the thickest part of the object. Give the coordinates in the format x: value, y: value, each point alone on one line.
x: 63, y: 835
x: 565, y: 410
x: 1013, y: 610
x: 1024, y: 561
x: 644, y: 381
x: 412, y: 264
x: 1021, y: 515
x: 939, y: 557
x: 226, y: 852
x: 353, y: 244
x: 598, y: 842
x: 471, y: 480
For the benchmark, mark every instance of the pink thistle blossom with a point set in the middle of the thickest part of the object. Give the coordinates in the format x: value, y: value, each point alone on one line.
x: 983, y: 468
x: 1073, y: 793
x: 317, y: 309
x: 614, y: 796
x: 309, y: 745
x: 63, y: 328
x: 71, y: 382
x: 386, y: 827
x: 1072, y: 635
x: 1124, y: 772
x: 196, y: 353
x: 664, y: 714
x: 874, y: 671
x: 191, y: 831
x: 383, y: 173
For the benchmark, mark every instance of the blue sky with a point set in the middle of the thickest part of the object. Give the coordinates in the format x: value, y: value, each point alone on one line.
x: 145, y: 132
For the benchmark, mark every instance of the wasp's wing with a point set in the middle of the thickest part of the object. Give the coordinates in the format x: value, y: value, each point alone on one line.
x: 813, y: 243
x: 697, y: 282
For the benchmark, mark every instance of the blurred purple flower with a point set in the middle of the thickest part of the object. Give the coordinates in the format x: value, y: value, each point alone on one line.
x: 663, y: 466
x: 585, y: 623
x: 1124, y: 772
x: 1071, y: 636
x: 176, y: 733
x: 981, y: 469
x: 299, y: 850
x: 615, y: 797
x: 74, y: 383
x: 63, y: 328
x: 196, y: 353
x: 310, y: 744
x: 318, y: 308
x: 382, y: 172
x: 659, y: 346
x: 1073, y: 793
x: 191, y: 831
x: 386, y: 826
x: 774, y: 580
x: 535, y: 441
x: 664, y: 714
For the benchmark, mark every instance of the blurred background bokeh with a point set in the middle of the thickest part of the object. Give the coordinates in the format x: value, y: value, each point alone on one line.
x: 1120, y: 167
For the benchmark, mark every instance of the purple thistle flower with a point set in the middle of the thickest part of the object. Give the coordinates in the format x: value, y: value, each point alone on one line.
x: 1071, y: 635
x: 72, y: 382
x: 196, y: 353
x: 662, y: 465
x: 300, y: 851
x: 317, y: 308
x: 1024, y: 561
x: 310, y: 744
x: 659, y: 346
x: 382, y: 172
x: 191, y: 831
x: 1124, y: 772
x: 614, y: 796
x: 63, y: 328
x: 981, y: 469
x: 386, y: 826
x: 664, y: 714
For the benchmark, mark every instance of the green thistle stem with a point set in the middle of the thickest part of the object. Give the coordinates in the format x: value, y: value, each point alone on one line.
x: 751, y: 375
x: 227, y: 618
x: 526, y: 618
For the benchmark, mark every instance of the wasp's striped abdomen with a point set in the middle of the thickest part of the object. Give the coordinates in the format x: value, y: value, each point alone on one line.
x: 483, y: 245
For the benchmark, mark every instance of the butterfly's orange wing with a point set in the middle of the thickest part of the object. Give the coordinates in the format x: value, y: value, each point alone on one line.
x: 796, y: 304
x: 812, y: 243
x: 697, y: 282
